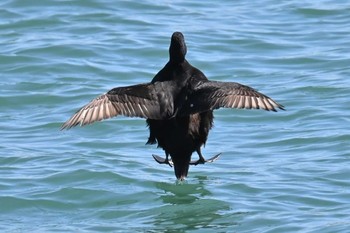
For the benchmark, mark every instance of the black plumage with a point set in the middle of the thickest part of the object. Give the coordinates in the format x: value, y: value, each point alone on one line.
x: 178, y: 105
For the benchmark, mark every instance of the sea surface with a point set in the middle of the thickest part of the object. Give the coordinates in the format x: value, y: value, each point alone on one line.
x: 287, y: 171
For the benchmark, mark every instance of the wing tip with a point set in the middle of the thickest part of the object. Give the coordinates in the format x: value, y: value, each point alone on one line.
x: 68, y: 125
x: 63, y: 127
x: 276, y: 108
x: 281, y: 107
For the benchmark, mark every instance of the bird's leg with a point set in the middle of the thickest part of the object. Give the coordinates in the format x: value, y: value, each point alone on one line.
x: 202, y: 160
x: 160, y: 160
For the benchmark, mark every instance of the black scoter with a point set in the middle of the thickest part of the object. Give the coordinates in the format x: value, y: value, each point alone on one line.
x: 178, y: 106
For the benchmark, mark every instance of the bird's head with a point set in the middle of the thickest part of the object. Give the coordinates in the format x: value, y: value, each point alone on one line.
x: 178, y: 49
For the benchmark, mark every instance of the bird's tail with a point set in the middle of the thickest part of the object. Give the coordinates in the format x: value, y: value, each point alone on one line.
x: 181, y: 166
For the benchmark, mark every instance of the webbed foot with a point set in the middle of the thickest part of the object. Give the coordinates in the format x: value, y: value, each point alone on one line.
x: 201, y: 160
x: 161, y: 160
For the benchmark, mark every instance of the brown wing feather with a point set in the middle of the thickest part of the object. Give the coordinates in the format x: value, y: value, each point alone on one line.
x: 213, y: 95
x: 141, y: 100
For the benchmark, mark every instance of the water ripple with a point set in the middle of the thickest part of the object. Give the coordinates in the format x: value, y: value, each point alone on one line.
x: 279, y: 172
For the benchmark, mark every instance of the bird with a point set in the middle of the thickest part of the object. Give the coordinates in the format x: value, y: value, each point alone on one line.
x: 178, y: 106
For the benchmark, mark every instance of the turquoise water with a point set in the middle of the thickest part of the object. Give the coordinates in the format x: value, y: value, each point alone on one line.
x: 279, y: 172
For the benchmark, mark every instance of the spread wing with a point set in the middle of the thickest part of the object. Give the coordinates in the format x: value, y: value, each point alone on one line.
x: 149, y: 100
x: 210, y: 95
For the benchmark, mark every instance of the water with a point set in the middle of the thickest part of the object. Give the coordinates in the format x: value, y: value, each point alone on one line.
x: 279, y: 172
